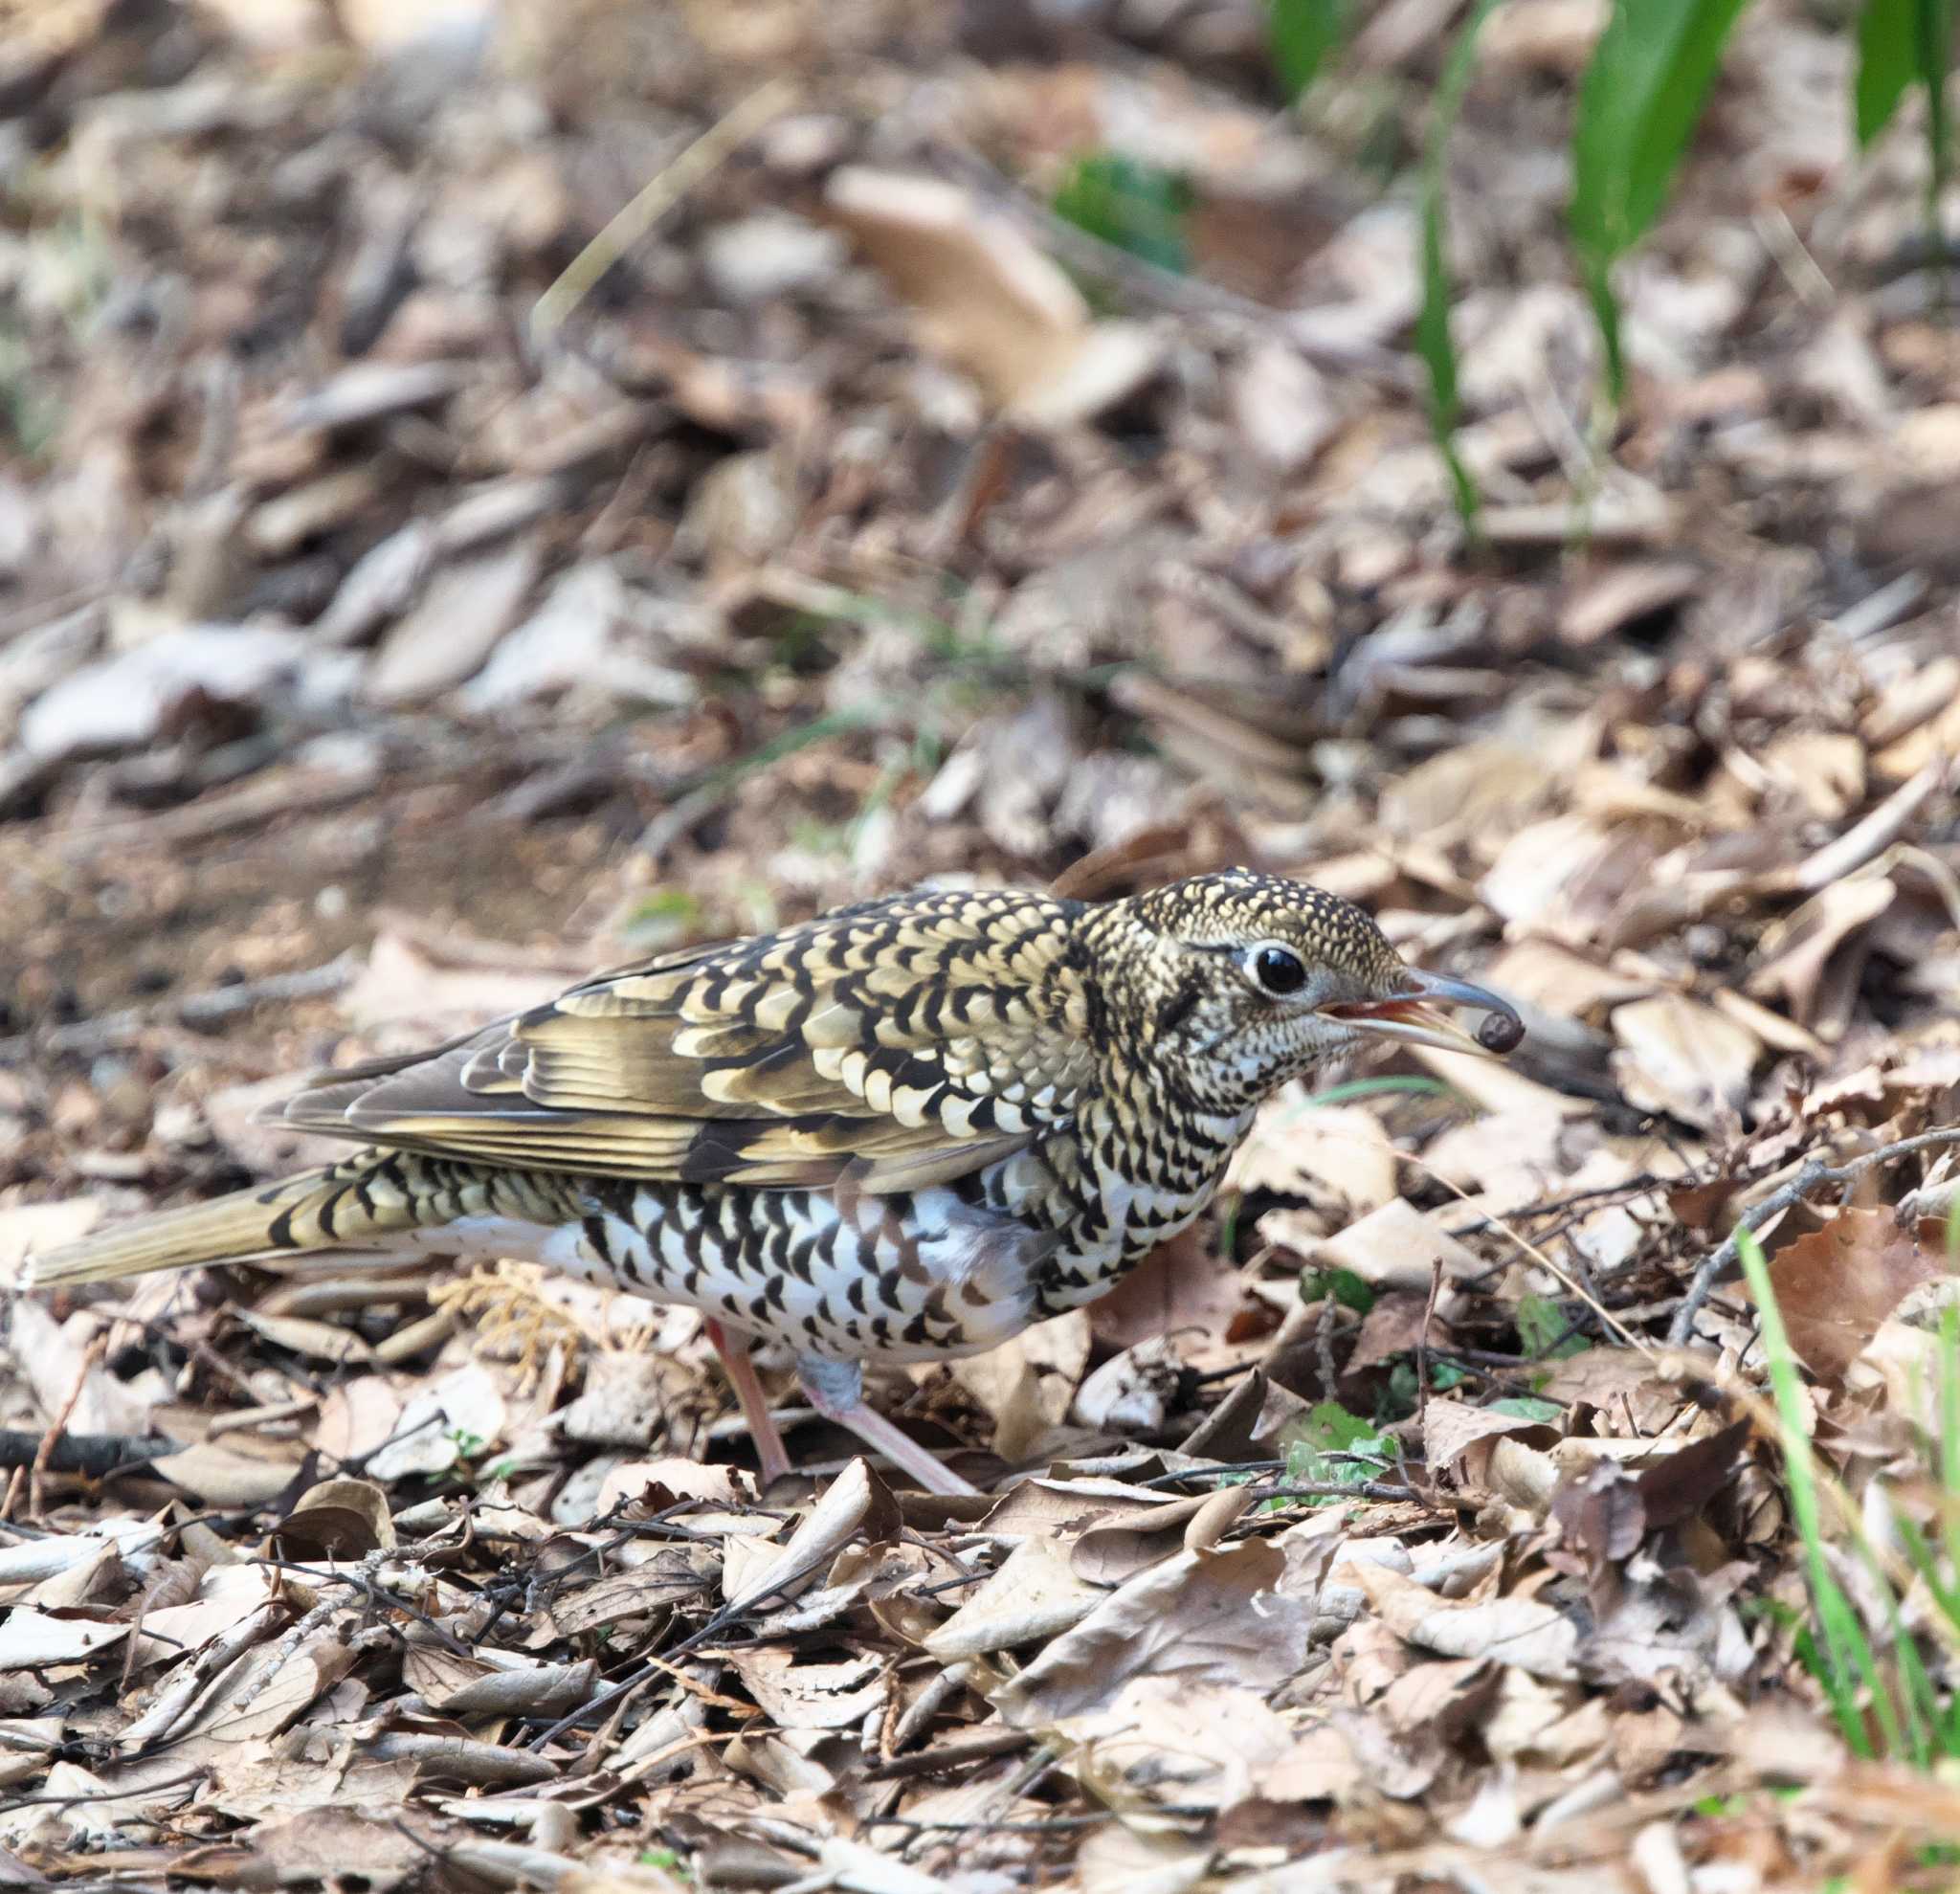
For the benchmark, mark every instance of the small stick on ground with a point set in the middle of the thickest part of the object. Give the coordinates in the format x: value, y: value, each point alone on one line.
x: 45, y: 1452
x: 658, y: 195
x: 199, y: 1010
x: 94, y: 1455
x: 1814, y: 1174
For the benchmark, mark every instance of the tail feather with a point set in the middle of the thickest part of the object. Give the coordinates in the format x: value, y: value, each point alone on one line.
x: 356, y: 1203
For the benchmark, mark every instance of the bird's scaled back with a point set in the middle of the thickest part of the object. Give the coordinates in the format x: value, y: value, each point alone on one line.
x: 910, y: 1040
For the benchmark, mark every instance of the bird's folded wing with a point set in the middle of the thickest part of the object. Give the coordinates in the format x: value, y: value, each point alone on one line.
x: 900, y: 1045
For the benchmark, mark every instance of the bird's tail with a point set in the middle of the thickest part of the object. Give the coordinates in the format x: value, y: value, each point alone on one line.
x: 360, y: 1203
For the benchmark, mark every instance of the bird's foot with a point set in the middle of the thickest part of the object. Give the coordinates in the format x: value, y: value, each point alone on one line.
x: 837, y: 1392
x: 772, y: 1458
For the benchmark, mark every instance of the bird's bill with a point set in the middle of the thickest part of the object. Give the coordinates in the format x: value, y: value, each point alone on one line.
x: 1414, y: 1016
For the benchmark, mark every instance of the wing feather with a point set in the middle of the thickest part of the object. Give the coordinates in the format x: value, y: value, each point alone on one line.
x: 898, y: 1044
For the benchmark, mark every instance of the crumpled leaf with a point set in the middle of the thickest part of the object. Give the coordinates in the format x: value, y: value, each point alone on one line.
x: 1681, y: 1056
x: 1533, y: 1636
x: 1837, y: 1284
x: 1202, y: 1616
x: 1035, y: 1594
x: 987, y: 298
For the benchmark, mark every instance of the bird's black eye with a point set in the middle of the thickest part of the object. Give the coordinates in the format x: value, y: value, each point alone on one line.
x: 1278, y: 971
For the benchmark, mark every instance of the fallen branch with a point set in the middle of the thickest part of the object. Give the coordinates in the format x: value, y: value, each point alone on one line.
x: 980, y: 1748
x: 1814, y: 1174
x: 199, y: 1012
x: 93, y: 1454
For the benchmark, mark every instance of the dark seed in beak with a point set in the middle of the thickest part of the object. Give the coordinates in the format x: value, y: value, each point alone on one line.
x: 1499, y: 1032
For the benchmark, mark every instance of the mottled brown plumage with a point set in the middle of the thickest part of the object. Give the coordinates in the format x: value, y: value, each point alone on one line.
x: 901, y: 1132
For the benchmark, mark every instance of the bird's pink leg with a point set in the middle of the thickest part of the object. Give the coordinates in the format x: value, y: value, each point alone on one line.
x: 837, y: 1392
x: 740, y: 1367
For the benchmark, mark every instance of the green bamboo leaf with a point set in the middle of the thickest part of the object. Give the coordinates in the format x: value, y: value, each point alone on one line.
x: 1300, y: 34
x: 1639, y: 104
x: 1432, y: 342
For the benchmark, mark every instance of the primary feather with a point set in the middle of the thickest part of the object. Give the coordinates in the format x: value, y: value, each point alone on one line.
x: 897, y: 1039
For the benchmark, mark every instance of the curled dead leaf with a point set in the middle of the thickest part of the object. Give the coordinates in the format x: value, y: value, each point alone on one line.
x: 339, y: 1519
x: 1837, y: 1284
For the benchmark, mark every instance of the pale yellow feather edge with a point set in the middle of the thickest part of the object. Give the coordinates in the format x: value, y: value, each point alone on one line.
x: 226, y: 1230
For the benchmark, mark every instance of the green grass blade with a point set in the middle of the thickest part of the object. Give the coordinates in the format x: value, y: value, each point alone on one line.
x: 1137, y: 207
x: 1368, y: 1088
x: 1934, y: 20
x: 1300, y: 35
x: 1902, y: 43
x: 1432, y: 341
x: 1888, y: 63
x: 1918, y: 1696
x: 1639, y: 104
x: 1844, y: 1652
x: 1926, y: 1564
x: 1949, y: 1436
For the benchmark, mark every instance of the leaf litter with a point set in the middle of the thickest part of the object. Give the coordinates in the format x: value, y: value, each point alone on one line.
x: 377, y: 659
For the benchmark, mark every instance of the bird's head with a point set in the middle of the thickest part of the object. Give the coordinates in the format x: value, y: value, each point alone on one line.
x: 1248, y: 980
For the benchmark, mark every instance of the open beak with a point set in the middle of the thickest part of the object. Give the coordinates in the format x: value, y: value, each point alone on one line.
x: 1412, y: 1016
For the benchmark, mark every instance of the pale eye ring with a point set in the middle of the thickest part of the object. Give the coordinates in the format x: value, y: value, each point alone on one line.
x: 1278, y: 971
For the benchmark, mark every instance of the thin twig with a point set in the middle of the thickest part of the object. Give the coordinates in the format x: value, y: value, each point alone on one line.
x: 199, y: 1010
x: 658, y: 195
x: 146, y: 1788
x: 1536, y: 1252
x: 299, y: 789
x: 1814, y: 1174
x: 44, y: 1454
x: 945, y: 1756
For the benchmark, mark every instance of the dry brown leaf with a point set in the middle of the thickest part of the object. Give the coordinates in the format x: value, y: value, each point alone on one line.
x: 856, y: 1502
x: 1681, y: 1056
x: 464, y: 1411
x: 28, y: 1228
x: 1795, y: 952
x: 1836, y: 1285
x: 1534, y: 1637
x: 1563, y: 877
x: 1035, y: 1594
x: 322, y: 1341
x: 215, y: 1474
x: 402, y: 982
x: 33, y: 1639
x: 1296, y: 1146
x: 1561, y: 979
x: 796, y: 1695
x: 680, y: 1574
x: 1397, y: 1247
x: 1452, y: 1429
x: 1184, y: 1291
x: 1026, y: 1383
x: 1483, y: 788
x: 445, y: 637
x: 1605, y: 600
x: 1400, y: 1322
x: 1113, y: 1554
x: 1497, y: 1088
x: 339, y: 1519
x: 1824, y: 768
x: 1199, y: 1618
x: 989, y: 300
